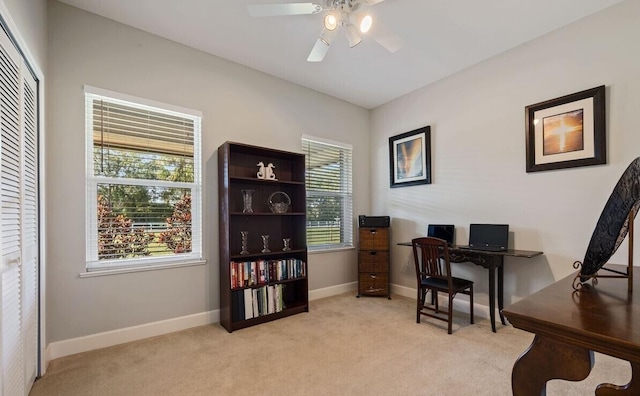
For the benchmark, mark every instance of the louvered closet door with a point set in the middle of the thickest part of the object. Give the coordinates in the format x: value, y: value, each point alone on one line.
x: 18, y: 222
x: 30, y: 249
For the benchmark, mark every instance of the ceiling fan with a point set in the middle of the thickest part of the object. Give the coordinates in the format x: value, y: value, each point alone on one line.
x: 345, y: 15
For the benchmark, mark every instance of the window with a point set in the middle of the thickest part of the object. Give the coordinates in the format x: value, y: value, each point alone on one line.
x: 329, y: 194
x: 143, y: 183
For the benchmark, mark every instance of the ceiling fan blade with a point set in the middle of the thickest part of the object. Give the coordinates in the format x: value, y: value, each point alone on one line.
x: 318, y: 51
x: 265, y: 10
x: 372, y: 2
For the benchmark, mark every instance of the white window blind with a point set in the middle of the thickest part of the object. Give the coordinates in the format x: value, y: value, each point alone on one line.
x: 329, y: 194
x: 143, y: 183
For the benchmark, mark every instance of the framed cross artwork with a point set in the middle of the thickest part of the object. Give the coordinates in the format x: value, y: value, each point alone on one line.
x: 566, y: 132
x: 410, y: 158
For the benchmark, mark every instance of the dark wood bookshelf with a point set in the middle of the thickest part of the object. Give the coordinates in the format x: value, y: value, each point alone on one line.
x: 237, y: 171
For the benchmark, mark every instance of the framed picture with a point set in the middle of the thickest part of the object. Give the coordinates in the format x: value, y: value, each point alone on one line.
x: 567, y: 132
x: 410, y: 158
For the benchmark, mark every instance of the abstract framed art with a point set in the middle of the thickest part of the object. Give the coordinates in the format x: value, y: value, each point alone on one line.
x: 410, y: 158
x: 566, y: 132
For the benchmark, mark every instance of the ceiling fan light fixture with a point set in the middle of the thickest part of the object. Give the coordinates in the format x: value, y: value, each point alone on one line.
x: 352, y: 35
x: 330, y: 22
x: 327, y: 36
x: 365, y: 23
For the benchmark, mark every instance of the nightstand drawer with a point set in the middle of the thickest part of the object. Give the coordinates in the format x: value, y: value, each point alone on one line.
x: 374, y: 239
x: 375, y: 284
x: 373, y: 261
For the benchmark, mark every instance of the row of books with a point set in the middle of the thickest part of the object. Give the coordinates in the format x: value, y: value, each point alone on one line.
x: 260, y: 272
x: 251, y: 303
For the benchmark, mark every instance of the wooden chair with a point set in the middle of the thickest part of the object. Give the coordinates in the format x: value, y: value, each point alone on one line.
x: 430, y: 256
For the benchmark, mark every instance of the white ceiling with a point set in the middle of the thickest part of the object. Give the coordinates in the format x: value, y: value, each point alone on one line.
x: 441, y: 37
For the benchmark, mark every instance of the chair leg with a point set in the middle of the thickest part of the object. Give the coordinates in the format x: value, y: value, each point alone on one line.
x: 450, y: 312
x: 419, y: 304
x: 471, y: 302
x: 434, y: 296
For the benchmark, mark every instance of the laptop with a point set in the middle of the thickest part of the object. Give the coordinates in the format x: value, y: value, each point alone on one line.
x: 489, y: 237
x: 442, y: 231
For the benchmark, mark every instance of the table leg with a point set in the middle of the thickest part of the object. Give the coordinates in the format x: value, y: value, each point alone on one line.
x: 501, y: 290
x: 630, y: 389
x: 548, y: 359
x: 492, y: 297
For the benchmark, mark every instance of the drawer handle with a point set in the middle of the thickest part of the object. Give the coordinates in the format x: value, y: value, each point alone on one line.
x: 373, y: 253
x: 373, y: 231
x: 373, y: 276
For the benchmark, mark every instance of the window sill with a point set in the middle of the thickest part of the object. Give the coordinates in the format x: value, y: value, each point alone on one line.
x: 331, y: 250
x: 152, y: 267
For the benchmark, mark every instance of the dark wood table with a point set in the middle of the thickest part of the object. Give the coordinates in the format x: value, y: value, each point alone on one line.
x: 490, y: 261
x: 569, y: 325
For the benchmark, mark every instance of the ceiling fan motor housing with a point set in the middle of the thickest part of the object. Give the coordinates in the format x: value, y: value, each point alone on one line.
x: 345, y: 6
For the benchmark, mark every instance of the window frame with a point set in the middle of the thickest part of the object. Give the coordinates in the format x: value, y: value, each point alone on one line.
x: 346, y: 181
x: 95, y: 266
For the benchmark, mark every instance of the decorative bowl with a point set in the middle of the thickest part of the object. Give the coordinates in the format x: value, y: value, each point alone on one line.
x: 279, y: 202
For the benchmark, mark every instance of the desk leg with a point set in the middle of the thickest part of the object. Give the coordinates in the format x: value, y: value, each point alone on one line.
x: 501, y: 290
x: 630, y: 389
x: 548, y: 359
x: 492, y: 297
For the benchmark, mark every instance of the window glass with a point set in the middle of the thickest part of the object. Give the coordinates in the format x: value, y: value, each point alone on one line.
x: 329, y: 194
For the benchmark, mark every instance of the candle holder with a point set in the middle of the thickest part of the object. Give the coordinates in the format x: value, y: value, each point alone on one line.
x: 247, y: 199
x: 245, y: 236
x: 287, y: 242
x: 265, y: 244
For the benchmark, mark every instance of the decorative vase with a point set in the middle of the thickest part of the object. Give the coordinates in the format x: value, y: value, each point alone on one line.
x: 265, y: 244
x: 245, y: 236
x: 247, y: 198
x: 287, y: 242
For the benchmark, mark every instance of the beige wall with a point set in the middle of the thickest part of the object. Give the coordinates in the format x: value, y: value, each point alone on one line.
x: 238, y: 104
x: 478, y: 148
x: 31, y: 18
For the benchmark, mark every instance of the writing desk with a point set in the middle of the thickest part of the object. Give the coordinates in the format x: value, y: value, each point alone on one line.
x: 490, y: 261
x: 569, y: 325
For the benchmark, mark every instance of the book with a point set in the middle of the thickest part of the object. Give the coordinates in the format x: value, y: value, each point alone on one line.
x: 271, y: 299
x: 254, y: 300
x: 237, y: 305
x: 248, y: 304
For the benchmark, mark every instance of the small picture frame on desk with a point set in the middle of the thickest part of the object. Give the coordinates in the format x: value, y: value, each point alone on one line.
x: 410, y: 158
x: 566, y: 132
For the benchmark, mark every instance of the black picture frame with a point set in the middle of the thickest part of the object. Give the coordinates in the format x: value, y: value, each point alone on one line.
x: 410, y: 158
x: 566, y: 132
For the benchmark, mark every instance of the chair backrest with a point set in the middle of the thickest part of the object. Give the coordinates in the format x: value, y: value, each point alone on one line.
x: 431, y: 258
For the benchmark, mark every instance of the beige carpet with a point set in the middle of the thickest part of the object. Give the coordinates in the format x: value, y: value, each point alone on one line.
x: 343, y: 346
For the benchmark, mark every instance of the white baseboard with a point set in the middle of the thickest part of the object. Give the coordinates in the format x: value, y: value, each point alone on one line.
x: 114, y: 337
x: 72, y: 346
x: 332, y: 291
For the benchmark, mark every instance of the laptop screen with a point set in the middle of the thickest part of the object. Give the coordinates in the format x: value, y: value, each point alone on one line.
x: 493, y: 235
x: 442, y: 231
